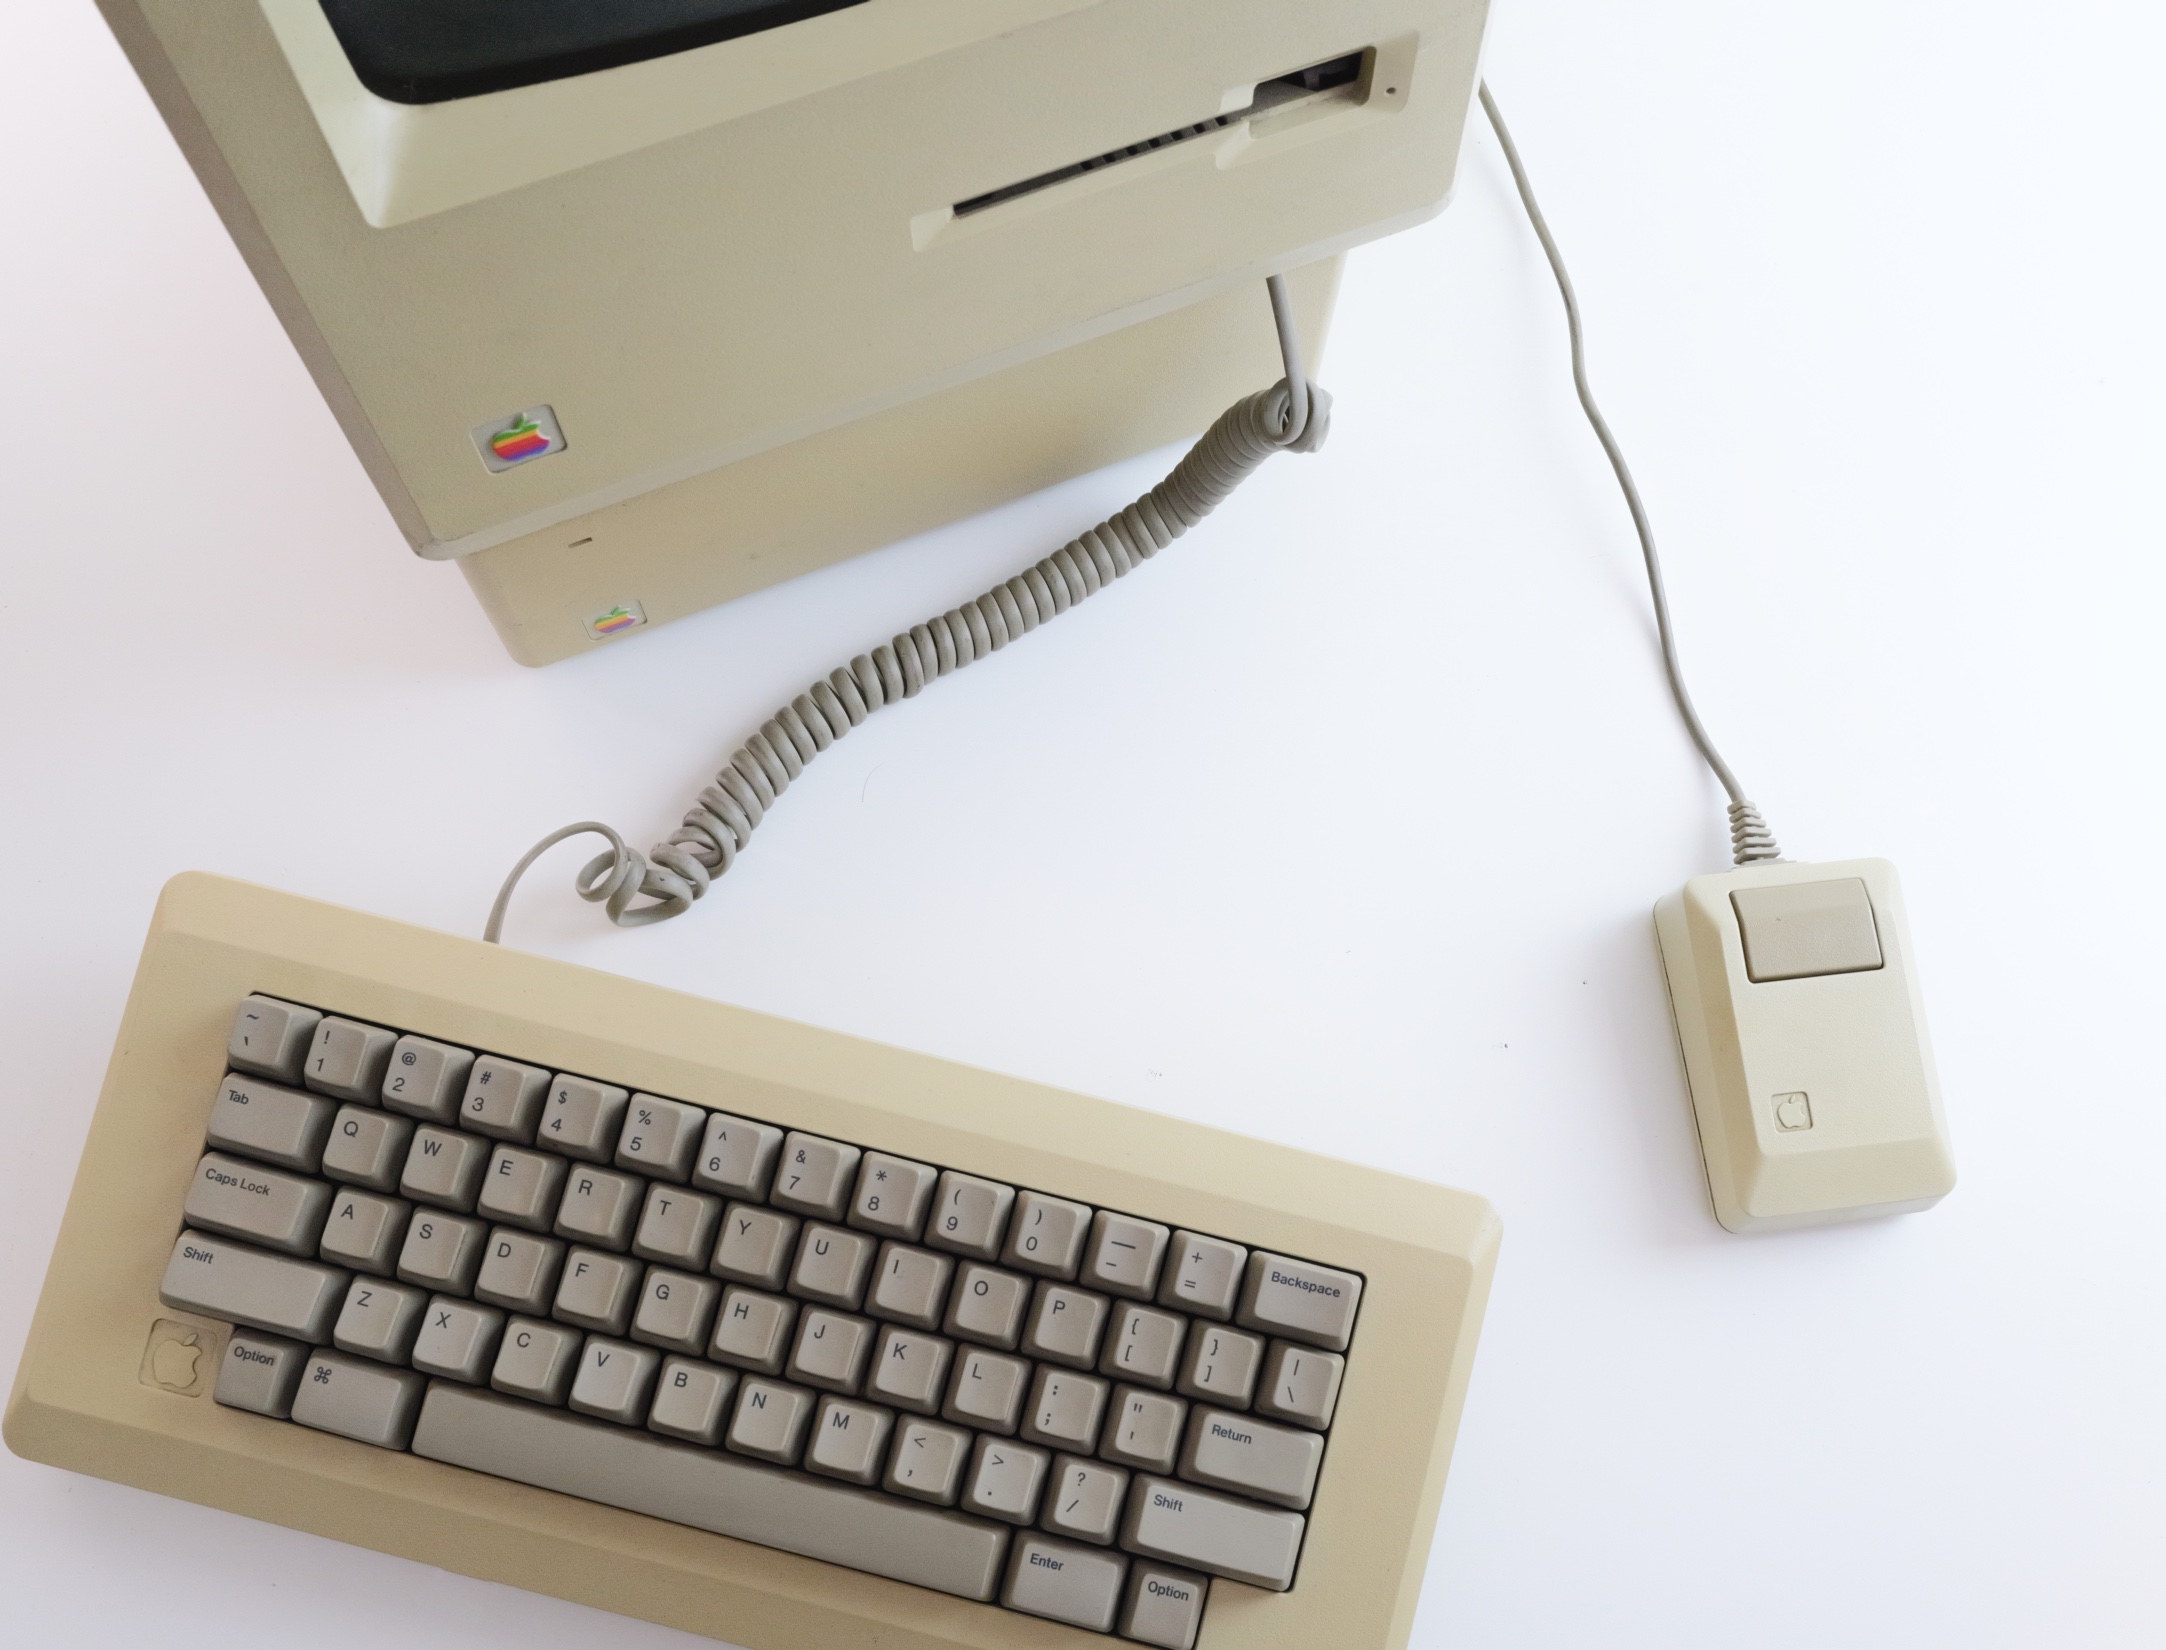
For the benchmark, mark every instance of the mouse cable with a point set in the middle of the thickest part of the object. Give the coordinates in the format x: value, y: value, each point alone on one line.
x: 1291, y: 416
x: 1750, y: 839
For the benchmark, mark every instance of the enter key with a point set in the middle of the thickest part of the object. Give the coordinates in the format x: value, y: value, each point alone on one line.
x: 1230, y: 1451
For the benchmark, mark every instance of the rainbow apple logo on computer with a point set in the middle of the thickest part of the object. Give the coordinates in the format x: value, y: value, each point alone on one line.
x: 616, y: 620
x: 523, y: 440
x: 506, y: 443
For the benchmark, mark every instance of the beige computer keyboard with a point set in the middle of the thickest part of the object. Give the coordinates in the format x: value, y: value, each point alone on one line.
x: 756, y: 1330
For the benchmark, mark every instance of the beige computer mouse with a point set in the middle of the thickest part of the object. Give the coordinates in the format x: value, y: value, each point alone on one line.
x: 1804, y: 1043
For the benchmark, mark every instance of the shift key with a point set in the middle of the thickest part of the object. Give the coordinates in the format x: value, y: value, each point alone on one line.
x: 1234, y: 1539
x: 230, y: 1281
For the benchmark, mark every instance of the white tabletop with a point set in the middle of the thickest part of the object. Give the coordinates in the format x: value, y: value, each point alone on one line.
x: 1339, y: 824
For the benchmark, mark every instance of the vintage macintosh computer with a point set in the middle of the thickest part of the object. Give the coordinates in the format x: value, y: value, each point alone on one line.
x: 630, y: 307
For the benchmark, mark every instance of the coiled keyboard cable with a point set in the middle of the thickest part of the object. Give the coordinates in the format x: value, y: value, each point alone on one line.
x: 1291, y: 416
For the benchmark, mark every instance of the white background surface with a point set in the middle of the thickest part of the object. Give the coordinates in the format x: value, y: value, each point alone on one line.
x: 1340, y: 824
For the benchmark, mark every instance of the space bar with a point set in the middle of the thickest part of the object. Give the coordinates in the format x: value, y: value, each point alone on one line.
x: 709, y: 1490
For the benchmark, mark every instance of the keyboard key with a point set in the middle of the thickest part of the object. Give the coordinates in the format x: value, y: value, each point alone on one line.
x: 1145, y: 1346
x: 737, y: 1158
x: 831, y: 1351
x: 614, y: 1381
x: 522, y: 1188
x: 1066, y: 1325
x: 815, y: 1176
x: 676, y: 1310
x: 677, y: 1227
x: 426, y: 1079
x: 892, y: 1196
x: 660, y: 1137
x: 1255, y: 1458
x: 970, y: 1216
x: 909, y: 1370
x: 1300, y: 1301
x: 1064, y: 1410
x: 752, y: 1330
x: 520, y: 1272
x: 1201, y: 1531
x: 442, y: 1252
x: 692, y: 1401
x: 927, y: 1462
x: 1222, y: 1366
x: 986, y: 1391
x: 347, y: 1059
x: 832, y: 1265
x: 236, y: 1284
x: 1046, y: 1236
x: 260, y: 1373
x: 444, y: 1167
x: 1005, y: 1480
x: 849, y: 1440
x: 755, y: 1247
x: 771, y: 1421
x: 379, y: 1320
x: 1064, y: 1582
x: 709, y: 1490
x: 1300, y: 1384
x: 367, y: 1147
x: 1084, y: 1502
x: 1163, y: 1606
x: 581, y: 1118
x: 600, y: 1207
x: 359, y: 1400
x: 909, y: 1286
x: 503, y: 1099
x: 365, y: 1231
x: 1125, y: 1255
x: 987, y: 1306
x: 247, y: 1200
x: 259, y: 1119
x: 458, y: 1340
x: 597, y: 1291
x: 536, y: 1360
x: 1203, y: 1275
x: 270, y: 1038
x: 1145, y: 1430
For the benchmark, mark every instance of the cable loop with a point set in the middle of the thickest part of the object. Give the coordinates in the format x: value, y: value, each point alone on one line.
x: 1293, y: 415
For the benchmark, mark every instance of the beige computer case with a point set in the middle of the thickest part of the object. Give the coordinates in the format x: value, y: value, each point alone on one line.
x: 737, y: 276
x: 98, y: 1391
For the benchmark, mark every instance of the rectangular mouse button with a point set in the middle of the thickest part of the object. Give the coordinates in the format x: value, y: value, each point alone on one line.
x: 1799, y: 930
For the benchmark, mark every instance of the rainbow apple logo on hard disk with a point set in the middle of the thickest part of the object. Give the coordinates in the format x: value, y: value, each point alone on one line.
x: 523, y: 440
x: 506, y: 443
